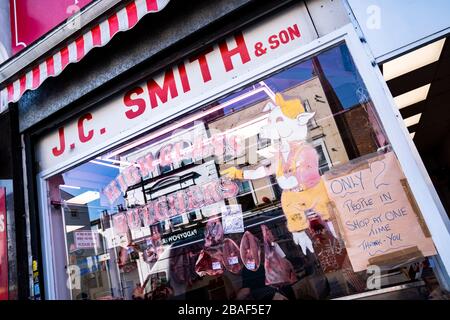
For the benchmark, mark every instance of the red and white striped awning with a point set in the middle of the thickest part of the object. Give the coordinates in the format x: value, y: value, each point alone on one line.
x: 123, y: 20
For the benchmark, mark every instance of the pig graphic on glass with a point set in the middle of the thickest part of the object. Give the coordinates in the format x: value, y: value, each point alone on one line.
x: 295, y: 164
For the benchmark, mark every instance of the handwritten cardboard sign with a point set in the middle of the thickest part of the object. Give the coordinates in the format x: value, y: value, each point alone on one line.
x: 376, y: 213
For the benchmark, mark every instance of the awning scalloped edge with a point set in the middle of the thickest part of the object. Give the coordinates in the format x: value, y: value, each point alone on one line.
x: 98, y: 36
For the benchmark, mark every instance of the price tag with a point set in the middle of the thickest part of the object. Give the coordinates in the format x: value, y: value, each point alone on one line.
x: 251, y: 265
x: 216, y: 265
x: 233, y: 260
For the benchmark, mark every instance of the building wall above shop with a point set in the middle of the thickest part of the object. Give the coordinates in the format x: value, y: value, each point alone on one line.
x: 158, y: 40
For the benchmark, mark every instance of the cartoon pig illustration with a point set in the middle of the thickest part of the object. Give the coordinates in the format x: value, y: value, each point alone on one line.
x: 295, y: 165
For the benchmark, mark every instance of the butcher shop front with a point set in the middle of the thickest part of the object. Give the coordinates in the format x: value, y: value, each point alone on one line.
x: 268, y: 166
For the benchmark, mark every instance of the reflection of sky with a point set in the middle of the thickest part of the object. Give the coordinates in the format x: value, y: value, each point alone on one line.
x: 341, y: 72
x: 338, y: 68
x: 91, y: 177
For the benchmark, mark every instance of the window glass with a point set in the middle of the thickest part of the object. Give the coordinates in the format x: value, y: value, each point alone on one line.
x: 265, y: 194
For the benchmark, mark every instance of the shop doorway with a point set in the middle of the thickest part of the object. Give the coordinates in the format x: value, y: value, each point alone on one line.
x: 419, y: 82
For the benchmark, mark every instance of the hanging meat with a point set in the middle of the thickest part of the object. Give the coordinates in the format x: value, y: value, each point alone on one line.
x: 279, y: 271
x: 150, y: 252
x: 330, y: 252
x: 182, y: 265
x: 231, y: 255
x: 179, y: 265
x: 209, y: 263
x: 123, y: 257
x: 213, y: 232
x: 126, y: 259
x: 250, y: 251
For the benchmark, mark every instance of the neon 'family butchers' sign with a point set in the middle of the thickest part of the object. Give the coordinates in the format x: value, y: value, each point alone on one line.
x: 175, y: 204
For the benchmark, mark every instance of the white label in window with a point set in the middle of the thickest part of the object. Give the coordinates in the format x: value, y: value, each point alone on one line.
x: 232, y: 219
x: 251, y: 266
x: 216, y: 265
x: 233, y: 260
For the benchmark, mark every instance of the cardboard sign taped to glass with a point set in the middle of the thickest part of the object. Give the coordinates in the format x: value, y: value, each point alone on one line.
x: 379, y: 220
x: 377, y: 215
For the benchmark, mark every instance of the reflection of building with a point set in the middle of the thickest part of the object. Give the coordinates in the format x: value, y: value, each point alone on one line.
x: 323, y: 134
x: 323, y: 130
x: 87, y: 254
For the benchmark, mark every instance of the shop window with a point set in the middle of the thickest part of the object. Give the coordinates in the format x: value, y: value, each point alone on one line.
x: 261, y: 216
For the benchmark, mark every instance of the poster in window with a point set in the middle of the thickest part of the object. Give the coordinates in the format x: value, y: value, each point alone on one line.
x: 377, y: 215
x: 3, y: 247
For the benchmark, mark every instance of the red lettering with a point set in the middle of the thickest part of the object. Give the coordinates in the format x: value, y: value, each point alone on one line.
x: 273, y: 42
x: 284, y: 37
x: 155, y: 90
x: 131, y: 102
x: 241, y: 49
x: 62, y: 143
x: 294, y: 32
x: 81, y: 130
x: 203, y: 62
x: 184, y: 78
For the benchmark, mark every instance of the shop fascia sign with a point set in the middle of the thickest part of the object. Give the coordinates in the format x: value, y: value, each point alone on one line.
x: 178, y: 88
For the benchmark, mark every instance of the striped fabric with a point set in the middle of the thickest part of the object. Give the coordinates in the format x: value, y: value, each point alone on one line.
x: 98, y: 36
